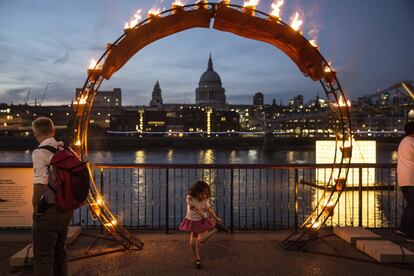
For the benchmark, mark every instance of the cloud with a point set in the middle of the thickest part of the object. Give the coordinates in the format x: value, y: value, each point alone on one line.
x: 13, y: 94
x: 62, y: 60
x: 53, y: 41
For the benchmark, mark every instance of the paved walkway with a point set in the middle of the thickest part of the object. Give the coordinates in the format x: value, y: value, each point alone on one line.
x: 245, y: 253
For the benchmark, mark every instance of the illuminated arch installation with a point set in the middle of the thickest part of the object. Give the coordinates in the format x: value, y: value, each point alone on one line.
x: 243, y: 21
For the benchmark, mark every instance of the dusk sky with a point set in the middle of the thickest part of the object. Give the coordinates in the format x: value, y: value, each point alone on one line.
x: 370, y: 43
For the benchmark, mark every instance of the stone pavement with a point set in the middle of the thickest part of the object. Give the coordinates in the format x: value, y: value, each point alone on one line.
x: 244, y: 253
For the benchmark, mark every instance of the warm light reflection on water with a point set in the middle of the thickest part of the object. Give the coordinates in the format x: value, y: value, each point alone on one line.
x: 170, y: 155
x: 346, y: 212
x: 253, y: 155
x: 262, y: 197
x: 207, y: 156
x: 155, y: 155
x: 140, y: 156
x: 290, y: 156
x: 362, y: 152
x: 394, y: 156
x: 233, y: 157
x: 209, y: 175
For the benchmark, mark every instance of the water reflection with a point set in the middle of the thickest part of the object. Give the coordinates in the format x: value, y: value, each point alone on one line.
x: 394, y: 156
x: 140, y: 156
x: 170, y: 155
x: 262, y: 198
x: 233, y: 157
x: 346, y: 212
x: 295, y: 157
x: 290, y: 156
x: 207, y: 156
x: 252, y: 155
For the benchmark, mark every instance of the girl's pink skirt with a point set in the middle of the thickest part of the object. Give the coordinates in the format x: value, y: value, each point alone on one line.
x: 197, y: 226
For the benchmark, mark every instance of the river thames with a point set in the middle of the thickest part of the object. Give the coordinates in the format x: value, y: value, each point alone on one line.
x: 385, y: 154
x: 264, y: 196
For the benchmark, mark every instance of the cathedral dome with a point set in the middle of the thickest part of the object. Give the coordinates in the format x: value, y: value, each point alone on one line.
x: 210, y: 78
x: 209, y: 91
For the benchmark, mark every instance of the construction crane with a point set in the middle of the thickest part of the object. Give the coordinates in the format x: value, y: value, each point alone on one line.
x: 44, y: 94
x: 27, y: 97
x: 409, y: 88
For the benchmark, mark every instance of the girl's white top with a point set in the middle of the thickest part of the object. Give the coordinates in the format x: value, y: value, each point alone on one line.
x: 196, y: 210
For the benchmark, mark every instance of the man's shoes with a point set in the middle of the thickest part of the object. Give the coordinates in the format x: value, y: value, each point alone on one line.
x: 220, y: 227
x: 400, y: 232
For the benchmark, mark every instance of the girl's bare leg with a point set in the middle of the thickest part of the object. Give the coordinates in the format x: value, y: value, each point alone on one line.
x: 194, y: 244
x: 205, y: 236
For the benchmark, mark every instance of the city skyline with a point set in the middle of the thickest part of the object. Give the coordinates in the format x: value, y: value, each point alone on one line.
x: 36, y: 51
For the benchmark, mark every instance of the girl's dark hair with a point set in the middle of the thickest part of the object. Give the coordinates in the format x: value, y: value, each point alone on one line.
x: 409, y: 128
x: 198, y: 188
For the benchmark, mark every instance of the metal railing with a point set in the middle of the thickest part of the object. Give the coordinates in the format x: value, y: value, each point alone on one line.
x: 264, y: 196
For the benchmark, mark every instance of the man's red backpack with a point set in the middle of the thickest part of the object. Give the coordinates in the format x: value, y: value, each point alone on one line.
x: 72, y: 178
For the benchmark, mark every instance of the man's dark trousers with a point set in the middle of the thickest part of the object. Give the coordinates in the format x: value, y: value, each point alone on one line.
x: 407, y: 219
x: 49, y: 242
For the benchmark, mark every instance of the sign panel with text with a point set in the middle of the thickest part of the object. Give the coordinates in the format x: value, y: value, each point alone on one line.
x: 16, y: 189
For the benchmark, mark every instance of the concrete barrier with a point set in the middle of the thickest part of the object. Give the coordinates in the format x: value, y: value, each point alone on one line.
x: 353, y: 234
x: 385, y: 251
x: 73, y: 234
x: 24, y: 257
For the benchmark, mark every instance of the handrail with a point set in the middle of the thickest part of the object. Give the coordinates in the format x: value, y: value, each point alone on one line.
x: 212, y: 166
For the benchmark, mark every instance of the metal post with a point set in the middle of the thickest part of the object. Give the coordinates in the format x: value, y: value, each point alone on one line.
x: 166, y: 200
x: 296, y: 199
x: 231, y: 200
x: 360, y: 197
x: 102, y: 191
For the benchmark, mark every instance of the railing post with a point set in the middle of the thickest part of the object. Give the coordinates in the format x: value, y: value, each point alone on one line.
x: 166, y: 200
x: 296, y: 199
x: 101, y: 191
x: 360, y: 197
x: 231, y: 200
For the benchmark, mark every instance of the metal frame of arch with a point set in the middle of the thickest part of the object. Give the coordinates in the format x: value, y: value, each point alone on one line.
x: 246, y: 22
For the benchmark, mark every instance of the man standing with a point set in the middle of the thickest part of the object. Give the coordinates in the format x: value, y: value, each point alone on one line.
x: 405, y: 173
x: 50, y: 226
